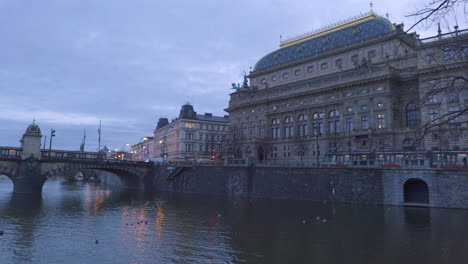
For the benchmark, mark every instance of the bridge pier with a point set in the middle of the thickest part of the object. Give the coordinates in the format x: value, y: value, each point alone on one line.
x: 28, y: 177
x: 27, y: 185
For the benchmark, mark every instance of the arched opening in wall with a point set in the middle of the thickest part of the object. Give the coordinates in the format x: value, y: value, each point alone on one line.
x: 6, y: 184
x: 260, y: 154
x: 416, y: 192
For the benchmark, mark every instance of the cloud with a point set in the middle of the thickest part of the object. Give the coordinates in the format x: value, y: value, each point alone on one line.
x: 71, y: 63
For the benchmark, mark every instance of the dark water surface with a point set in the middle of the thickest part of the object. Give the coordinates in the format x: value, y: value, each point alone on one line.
x: 86, y: 223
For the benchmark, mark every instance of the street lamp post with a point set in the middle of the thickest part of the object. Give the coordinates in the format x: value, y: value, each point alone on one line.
x: 52, y: 134
x: 317, y: 134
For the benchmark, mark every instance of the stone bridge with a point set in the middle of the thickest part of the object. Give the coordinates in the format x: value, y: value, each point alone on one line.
x: 29, y: 175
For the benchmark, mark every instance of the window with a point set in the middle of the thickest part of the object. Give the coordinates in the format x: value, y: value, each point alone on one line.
x: 452, y: 96
x: 355, y: 59
x: 380, y: 121
x: 432, y: 98
x: 339, y: 63
x: 301, y: 117
x: 408, y: 142
x: 349, y: 124
x: 454, y: 111
x: 285, y: 75
x: 371, y: 54
x: 334, y: 126
x: 349, y: 109
x: 310, y: 69
x: 263, y: 81
x: 275, y: 132
x: 274, y: 78
x: 412, y: 115
x: 324, y: 66
x: 318, y: 115
x: 275, y: 121
x: 379, y: 105
x: 303, y: 130
x: 334, y: 113
x: 364, y: 122
x: 433, y: 115
x: 318, y: 129
x: 364, y: 108
x: 288, y: 131
x: 288, y: 119
x: 348, y: 93
x: 189, y: 136
x: 297, y: 72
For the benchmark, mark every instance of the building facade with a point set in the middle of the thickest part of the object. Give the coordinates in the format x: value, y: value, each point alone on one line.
x: 144, y: 149
x: 360, y: 85
x: 191, y: 136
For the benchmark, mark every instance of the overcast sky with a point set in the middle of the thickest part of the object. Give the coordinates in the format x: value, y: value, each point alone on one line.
x: 71, y: 63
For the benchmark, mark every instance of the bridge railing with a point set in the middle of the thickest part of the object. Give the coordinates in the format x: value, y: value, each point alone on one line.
x: 10, y: 153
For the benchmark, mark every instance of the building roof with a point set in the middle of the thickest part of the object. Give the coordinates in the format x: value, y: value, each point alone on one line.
x: 209, y: 117
x: 347, y: 32
x: 33, y: 130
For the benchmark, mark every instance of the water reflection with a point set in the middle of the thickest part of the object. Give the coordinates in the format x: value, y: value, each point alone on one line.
x: 86, y: 223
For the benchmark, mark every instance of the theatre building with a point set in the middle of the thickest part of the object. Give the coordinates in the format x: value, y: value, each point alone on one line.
x: 362, y: 85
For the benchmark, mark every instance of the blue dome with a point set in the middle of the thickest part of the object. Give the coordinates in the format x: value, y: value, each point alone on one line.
x: 352, y: 34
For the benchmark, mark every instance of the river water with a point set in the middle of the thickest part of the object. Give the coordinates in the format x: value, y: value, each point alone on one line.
x: 87, y: 223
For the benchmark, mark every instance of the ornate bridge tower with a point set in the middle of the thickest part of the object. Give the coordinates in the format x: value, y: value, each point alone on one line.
x: 31, y: 142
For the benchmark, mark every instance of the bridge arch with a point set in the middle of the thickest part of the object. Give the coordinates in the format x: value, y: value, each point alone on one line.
x: 6, y: 171
x: 129, y: 176
x: 416, y: 191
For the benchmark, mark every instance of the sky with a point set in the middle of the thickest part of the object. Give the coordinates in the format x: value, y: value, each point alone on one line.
x: 70, y: 63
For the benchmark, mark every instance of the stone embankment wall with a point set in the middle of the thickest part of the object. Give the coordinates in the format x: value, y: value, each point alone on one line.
x: 446, y: 188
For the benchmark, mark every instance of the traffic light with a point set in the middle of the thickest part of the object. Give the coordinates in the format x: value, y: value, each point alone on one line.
x: 52, y: 132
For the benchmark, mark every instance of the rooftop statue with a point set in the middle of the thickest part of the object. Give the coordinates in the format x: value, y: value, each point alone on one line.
x: 245, y: 84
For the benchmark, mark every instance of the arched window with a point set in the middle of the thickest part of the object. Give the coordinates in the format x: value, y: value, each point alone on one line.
x: 408, y: 142
x: 288, y: 119
x: 317, y: 115
x: 412, y: 115
x: 275, y: 121
x: 334, y: 113
x: 302, y: 117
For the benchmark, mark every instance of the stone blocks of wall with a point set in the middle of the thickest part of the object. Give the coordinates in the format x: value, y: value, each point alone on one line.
x: 447, y: 188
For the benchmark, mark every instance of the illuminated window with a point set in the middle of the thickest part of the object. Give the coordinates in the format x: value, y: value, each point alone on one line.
x: 189, y: 125
x: 380, y: 121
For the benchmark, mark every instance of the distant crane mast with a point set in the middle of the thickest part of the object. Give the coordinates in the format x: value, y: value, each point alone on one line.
x: 82, y: 146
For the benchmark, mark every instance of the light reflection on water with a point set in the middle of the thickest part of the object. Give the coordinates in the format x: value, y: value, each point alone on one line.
x: 86, y: 223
